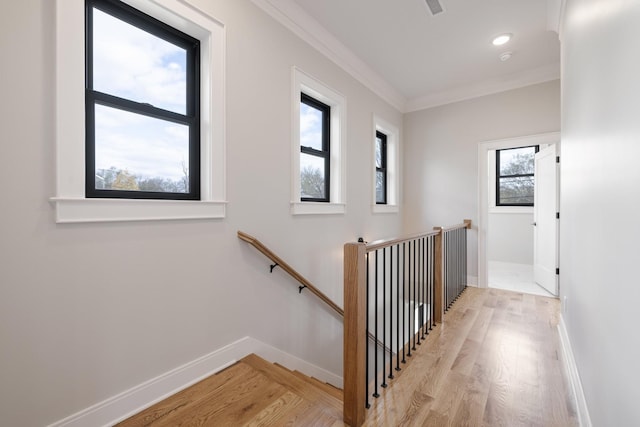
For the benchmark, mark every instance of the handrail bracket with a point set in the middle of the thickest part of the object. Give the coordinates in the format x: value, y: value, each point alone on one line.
x: 272, y: 266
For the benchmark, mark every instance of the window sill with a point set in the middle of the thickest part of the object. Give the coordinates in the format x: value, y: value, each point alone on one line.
x: 316, y: 208
x: 70, y: 210
x: 511, y: 209
x: 385, y: 209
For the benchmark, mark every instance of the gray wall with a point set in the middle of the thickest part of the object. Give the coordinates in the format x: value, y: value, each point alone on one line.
x: 90, y: 310
x: 600, y: 201
x: 441, y: 152
x: 510, y: 238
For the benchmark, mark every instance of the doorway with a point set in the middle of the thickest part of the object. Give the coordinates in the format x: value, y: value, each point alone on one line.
x: 505, y: 228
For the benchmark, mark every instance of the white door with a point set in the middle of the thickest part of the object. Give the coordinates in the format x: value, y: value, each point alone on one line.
x: 545, y: 235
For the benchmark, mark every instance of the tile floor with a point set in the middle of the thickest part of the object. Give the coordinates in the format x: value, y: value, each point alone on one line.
x: 514, y: 277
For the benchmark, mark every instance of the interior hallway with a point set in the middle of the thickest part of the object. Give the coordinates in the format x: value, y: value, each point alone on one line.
x: 495, y: 361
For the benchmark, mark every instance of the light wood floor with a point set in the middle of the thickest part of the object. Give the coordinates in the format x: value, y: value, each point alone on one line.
x: 493, y: 362
x: 252, y: 392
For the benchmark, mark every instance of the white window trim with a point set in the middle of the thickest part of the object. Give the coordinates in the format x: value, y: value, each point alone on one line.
x: 70, y: 201
x: 304, y: 83
x: 393, y: 168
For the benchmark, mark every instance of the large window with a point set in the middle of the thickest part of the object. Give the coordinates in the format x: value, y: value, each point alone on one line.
x: 142, y: 106
x: 315, y: 171
x: 515, y: 176
x: 381, y: 168
x: 142, y: 112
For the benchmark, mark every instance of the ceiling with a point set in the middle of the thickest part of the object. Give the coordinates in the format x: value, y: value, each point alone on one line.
x: 415, y: 59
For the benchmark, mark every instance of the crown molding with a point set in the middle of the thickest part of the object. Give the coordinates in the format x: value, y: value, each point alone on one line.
x: 293, y: 17
x: 487, y: 87
x: 555, y: 15
x: 297, y: 20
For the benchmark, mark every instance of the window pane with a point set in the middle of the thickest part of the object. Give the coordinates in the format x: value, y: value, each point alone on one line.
x: 310, y: 127
x: 140, y: 153
x: 133, y: 64
x: 516, y: 191
x: 379, y: 150
x: 312, y: 176
x: 380, y: 187
x: 517, y: 161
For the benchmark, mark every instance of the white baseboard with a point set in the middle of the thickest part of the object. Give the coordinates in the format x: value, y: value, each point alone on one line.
x: 571, y: 368
x: 275, y: 355
x: 134, y: 400
x: 472, y: 281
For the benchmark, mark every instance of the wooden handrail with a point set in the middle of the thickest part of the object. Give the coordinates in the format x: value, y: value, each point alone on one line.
x: 466, y: 224
x: 290, y: 270
x: 301, y: 279
x: 379, y: 244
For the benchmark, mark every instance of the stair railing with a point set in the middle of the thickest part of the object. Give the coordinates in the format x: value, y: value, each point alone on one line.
x: 304, y: 283
x: 279, y: 262
x: 397, y: 290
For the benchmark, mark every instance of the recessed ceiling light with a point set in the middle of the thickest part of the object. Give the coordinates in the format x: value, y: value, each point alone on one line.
x: 501, y: 39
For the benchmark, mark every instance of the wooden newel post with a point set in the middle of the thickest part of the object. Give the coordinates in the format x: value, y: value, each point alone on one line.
x: 439, y: 283
x: 355, y: 333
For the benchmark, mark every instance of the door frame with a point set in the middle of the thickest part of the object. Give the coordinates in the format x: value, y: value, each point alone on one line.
x: 483, y: 188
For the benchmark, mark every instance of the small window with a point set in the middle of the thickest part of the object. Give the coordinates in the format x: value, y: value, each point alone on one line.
x: 315, y: 146
x: 381, y: 168
x: 515, y: 176
x: 142, y: 106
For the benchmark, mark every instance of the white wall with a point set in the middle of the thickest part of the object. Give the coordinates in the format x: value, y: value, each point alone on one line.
x: 90, y: 310
x: 600, y: 201
x: 441, y: 152
x: 510, y: 238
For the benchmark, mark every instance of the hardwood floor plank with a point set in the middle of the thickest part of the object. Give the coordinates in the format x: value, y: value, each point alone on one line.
x: 184, y: 400
x: 276, y: 411
x: 230, y: 405
x: 494, y: 361
x: 286, y: 379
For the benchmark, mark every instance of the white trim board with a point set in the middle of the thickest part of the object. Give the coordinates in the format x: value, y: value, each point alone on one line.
x: 123, y: 405
x: 584, y: 420
x: 297, y: 20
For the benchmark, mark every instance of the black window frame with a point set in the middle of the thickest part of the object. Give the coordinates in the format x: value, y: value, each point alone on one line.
x: 383, y: 166
x: 499, y: 176
x: 191, y: 118
x: 325, y: 153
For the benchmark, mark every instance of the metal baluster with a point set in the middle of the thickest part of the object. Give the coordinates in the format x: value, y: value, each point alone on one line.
x: 390, y: 312
x: 404, y: 299
x: 466, y: 276
x: 423, y: 299
x: 432, y: 273
x: 417, y: 295
x: 366, y: 370
x: 375, y: 322
x: 459, y: 248
x: 413, y: 312
x: 409, y: 317
x: 398, y: 309
x: 444, y: 271
x: 384, y: 318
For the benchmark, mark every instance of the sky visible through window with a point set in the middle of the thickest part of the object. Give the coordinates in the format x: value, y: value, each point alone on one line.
x: 311, y: 167
x: 133, y: 64
x: 310, y: 127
